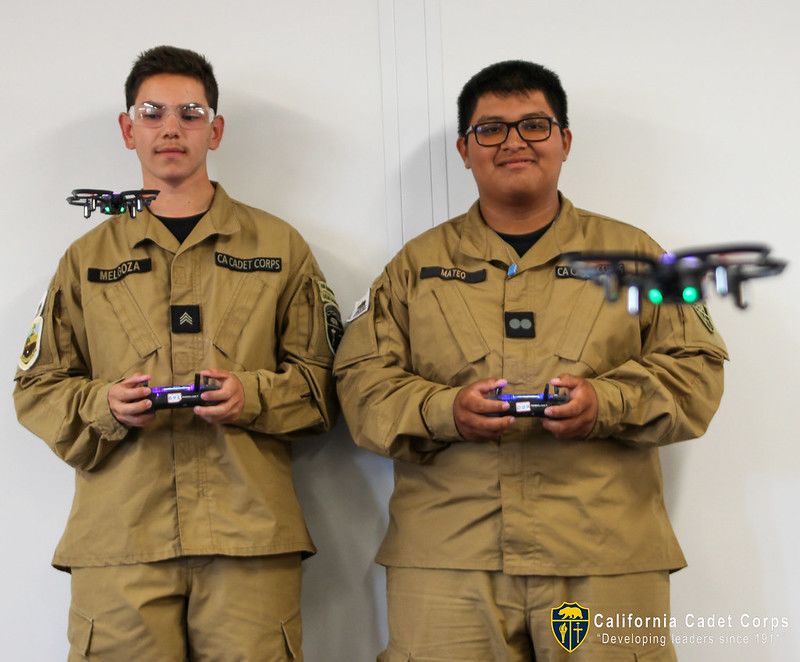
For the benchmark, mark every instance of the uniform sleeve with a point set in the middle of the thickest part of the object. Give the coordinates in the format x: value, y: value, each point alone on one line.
x: 299, y: 396
x: 389, y: 409
x: 671, y: 393
x: 54, y: 396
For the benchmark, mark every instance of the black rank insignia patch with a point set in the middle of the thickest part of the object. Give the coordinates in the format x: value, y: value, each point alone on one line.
x: 452, y: 273
x: 185, y: 319
x: 520, y: 325
x: 97, y: 275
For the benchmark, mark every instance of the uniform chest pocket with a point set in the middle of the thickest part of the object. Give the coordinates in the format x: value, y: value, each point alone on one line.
x: 447, y: 345
x: 246, y: 332
x: 111, y: 316
x: 597, y: 334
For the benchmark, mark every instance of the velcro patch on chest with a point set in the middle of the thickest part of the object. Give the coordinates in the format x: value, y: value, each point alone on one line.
x: 453, y: 273
x: 97, y: 275
x: 247, y: 263
x: 520, y: 324
x: 185, y: 319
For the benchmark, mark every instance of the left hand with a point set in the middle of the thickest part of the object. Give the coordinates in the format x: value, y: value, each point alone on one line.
x: 576, y: 418
x: 229, y: 396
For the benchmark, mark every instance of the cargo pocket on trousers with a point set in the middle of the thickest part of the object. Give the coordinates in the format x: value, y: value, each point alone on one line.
x: 292, y: 636
x: 79, y: 632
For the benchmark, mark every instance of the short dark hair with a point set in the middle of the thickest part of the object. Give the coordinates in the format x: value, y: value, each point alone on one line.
x: 512, y: 77
x: 171, y: 60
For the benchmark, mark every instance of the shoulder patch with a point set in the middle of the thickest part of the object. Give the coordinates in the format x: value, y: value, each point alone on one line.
x: 334, y: 329
x: 33, y: 341
x: 705, y: 317
x: 360, y: 307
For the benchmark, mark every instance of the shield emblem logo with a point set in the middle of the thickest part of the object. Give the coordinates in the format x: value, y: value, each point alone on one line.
x: 570, y: 625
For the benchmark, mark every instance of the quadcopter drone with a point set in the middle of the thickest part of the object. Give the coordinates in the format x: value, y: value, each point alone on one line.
x: 676, y: 277
x: 110, y: 202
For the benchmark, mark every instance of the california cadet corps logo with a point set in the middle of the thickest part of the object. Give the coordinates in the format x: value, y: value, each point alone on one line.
x: 570, y: 625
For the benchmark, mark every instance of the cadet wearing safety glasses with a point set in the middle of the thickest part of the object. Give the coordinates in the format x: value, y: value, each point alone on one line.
x: 185, y: 536
x: 505, y: 533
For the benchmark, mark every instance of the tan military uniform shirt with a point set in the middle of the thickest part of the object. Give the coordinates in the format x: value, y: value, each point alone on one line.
x: 529, y: 504
x: 182, y: 486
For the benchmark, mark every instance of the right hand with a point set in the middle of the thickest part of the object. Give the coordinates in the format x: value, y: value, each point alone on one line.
x: 127, y: 404
x: 470, y: 409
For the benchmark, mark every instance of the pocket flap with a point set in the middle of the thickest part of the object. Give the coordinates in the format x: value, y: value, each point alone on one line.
x: 585, y: 309
x: 131, y: 318
x: 462, y: 325
x: 293, y: 636
x: 79, y: 631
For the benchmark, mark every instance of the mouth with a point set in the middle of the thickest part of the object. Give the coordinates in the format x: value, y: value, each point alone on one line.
x: 170, y: 150
x: 518, y: 162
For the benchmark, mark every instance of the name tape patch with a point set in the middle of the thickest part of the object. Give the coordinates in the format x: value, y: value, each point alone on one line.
x: 452, y: 273
x: 97, y: 275
x: 566, y: 271
x: 247, y: 263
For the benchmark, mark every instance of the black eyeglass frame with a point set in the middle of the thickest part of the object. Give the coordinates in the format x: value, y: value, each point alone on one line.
x: 509, y: 125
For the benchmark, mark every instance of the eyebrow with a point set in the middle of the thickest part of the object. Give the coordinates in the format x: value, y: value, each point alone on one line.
x: 498, y: 118
x: 160, y: 104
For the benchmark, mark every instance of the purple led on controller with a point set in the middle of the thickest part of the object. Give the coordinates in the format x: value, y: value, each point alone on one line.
x: 188, y: 388
x: 511, y: 397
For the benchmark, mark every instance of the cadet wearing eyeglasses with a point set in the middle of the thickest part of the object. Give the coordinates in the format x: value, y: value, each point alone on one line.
x: 504, y: 531
x: 185, y: 536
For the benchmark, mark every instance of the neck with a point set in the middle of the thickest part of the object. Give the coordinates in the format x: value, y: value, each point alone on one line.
x: 511, y: 218
x: 181, y: 199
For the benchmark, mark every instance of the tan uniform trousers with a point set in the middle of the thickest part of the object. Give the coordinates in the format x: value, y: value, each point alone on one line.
x: 481, y: 616
x: 197, y: 608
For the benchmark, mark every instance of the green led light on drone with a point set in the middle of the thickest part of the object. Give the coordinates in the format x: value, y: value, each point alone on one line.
x: 655, y: 296
x: 122, y: 209
x: 690, y: 294
x: 107, y: 209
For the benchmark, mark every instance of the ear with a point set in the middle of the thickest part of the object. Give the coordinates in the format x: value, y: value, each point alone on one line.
x: 566, y: 143
x: 217, y: 129
x: 461, y: 146
x: 126, y: 126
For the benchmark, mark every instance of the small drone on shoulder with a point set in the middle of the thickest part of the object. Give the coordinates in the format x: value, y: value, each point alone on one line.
x: 110, y: 202
x: 676, y: 277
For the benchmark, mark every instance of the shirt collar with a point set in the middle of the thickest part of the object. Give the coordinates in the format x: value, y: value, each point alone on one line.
x: 220, y: 219
x: 478, y: 240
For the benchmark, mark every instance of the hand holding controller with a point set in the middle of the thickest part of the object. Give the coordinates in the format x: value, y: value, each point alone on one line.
x: 532, y: 404
x: 173, y: 397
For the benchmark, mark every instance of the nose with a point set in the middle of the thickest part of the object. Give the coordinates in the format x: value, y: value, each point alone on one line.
x: 514, y: 138
x: 171, y: 123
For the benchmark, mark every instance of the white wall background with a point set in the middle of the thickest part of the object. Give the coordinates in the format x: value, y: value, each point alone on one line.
x: 341, y: 118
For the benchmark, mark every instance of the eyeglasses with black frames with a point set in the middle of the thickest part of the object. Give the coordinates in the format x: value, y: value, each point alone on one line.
x: 153, y: 115
x: 530, y: 129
